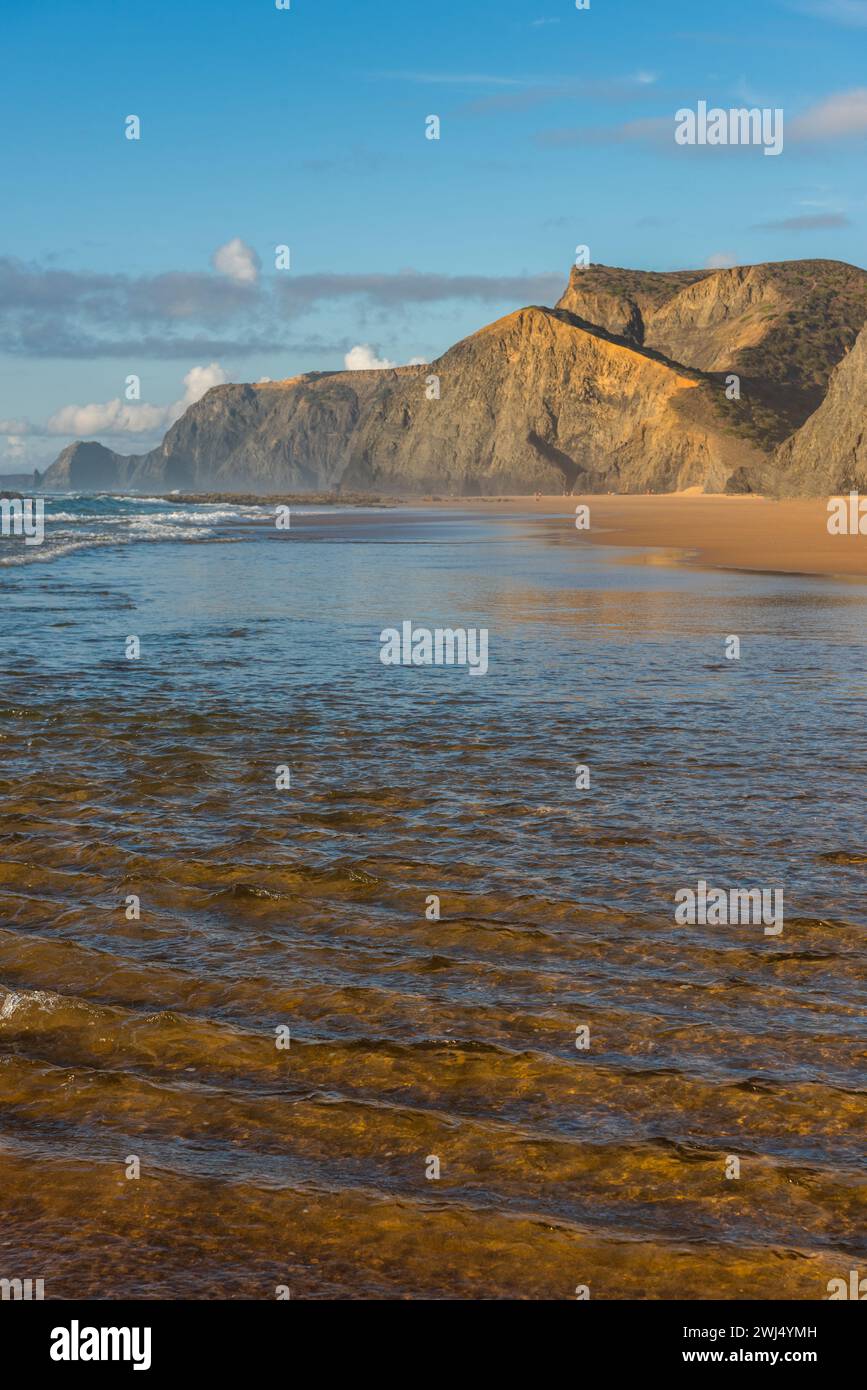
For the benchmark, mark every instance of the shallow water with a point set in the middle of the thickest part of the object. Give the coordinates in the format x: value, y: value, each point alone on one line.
x: 306, y: 908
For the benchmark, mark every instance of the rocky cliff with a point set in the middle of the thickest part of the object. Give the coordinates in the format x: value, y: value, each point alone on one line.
x: 829, y: 454
x: 781, y: 328
x: 87, y: 467
x: 621, y: 387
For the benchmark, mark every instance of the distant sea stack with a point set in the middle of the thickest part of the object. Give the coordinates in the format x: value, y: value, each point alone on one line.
x: 746, y: 379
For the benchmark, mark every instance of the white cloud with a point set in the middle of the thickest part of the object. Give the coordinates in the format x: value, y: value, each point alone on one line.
x: 106, y: 417
x: 197, y: 381
x: 721, y: 260
x: 841, y: 115
x: 128, y: 417
x: 363, y: 358
x: 237, y: 261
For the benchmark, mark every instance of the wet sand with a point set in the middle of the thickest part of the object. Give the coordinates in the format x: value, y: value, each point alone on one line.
x: 744, y: 533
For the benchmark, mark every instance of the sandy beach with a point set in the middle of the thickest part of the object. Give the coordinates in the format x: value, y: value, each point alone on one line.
x: 716, y: 531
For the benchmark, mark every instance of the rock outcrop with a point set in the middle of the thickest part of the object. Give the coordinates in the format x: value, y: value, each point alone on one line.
x: 87, y: 467
x: 829, y: 454
x: 621, y: 387
x: 781, y: 327
x: 537, y: 400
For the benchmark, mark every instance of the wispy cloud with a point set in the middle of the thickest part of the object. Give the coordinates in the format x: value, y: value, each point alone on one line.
x: 851, y: 13
x: 458, y: 79
x: 654, y: 130
x: 807, y: 223
x: 78, y: 314
x: 407, y: 287
x: 840, y: 116
x: 843, y: 115
x: 601, y: 91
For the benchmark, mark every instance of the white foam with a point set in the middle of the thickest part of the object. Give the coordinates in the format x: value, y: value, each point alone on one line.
x: 19, y: 999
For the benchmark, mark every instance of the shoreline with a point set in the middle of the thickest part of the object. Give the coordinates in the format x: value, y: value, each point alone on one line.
x: 745, y: 533
x: 707, y: 530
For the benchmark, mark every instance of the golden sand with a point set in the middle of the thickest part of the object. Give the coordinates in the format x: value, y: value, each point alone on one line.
x: 749, y: 533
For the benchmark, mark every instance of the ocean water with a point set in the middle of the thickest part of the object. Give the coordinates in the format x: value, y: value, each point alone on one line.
x: 423, y: 1044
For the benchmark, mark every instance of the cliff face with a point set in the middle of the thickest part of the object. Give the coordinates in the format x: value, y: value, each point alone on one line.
x: 538, y: 399
x: 302, y: 433
x: 623, y: 301
x: 782, y: 328
x: 829, y: 454
x: 621, y: 387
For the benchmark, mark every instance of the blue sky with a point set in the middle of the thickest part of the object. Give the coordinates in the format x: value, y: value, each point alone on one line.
x: 306, y: 127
